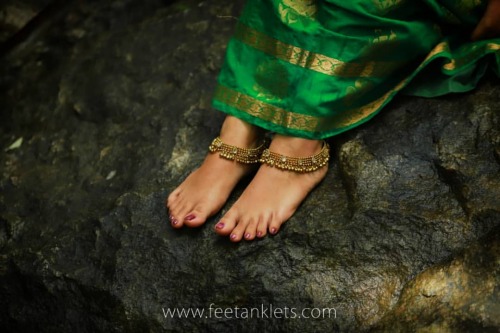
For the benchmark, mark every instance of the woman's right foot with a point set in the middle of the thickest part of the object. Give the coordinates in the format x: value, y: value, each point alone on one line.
x: 207, y: 189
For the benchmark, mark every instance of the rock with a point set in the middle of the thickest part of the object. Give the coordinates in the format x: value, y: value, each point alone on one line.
x: 459, y: 296
x: 115, y: 115
x: 14, y: 15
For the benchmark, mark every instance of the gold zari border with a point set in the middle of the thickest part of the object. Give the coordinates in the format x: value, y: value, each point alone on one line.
x: 265, y: 111
x: 297, y: 121
x: 473, y: 54
x: 312, y: 124
x: 310, y: 60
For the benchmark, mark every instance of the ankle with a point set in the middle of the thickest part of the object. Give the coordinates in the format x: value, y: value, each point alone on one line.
x: 237, y: 132
x: 295, y: 146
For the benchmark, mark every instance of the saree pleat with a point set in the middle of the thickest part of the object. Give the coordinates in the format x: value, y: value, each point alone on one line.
x: 316, y: 68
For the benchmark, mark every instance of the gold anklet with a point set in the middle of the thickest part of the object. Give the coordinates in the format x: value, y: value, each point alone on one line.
x: 233, y: 153
x: 297, y: 164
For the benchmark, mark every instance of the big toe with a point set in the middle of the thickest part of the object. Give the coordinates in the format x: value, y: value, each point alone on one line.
x: 196, y: 217
x: 226, y: 223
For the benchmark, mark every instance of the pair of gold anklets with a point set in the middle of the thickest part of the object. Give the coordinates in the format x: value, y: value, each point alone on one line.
x: 262, y: 154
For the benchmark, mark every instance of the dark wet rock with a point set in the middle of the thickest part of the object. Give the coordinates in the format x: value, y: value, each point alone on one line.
x: 458, y: 296
x: 113, y: 105
x: 15, y: 14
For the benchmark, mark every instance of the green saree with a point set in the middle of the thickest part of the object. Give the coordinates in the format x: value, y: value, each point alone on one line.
x: 316, y: 68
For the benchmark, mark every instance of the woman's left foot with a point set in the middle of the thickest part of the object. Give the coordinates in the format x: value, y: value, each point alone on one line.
x: 274, y: 194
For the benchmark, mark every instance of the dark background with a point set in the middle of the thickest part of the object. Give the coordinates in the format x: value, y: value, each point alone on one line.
x: 112, y: 102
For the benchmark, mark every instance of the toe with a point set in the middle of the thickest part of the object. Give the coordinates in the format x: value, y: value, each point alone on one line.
x: 227, y: 223
x: 251, y: 229
x: 195, y: 217
x: 274, y: 226
x: 176, y: 214
x: 275, y: 223
x: 175, y: 222
x: 239, y: 231
x: 262, y: 226
x: 173, y: 202
x: 172, y: 198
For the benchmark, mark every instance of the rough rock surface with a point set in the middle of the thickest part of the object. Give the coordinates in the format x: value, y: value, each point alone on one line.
x: 458, y: 296
x: 15, y: 14
x: 112, y: 103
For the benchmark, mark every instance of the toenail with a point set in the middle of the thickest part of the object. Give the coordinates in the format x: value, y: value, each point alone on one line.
x: 247, y: 235
x: 259, y: 233
x: 219, y: 225
x: 274, y: 230
x: 233, y: 236
x: 171, y: 217
x: 175, y: 222
x: 190, y: 217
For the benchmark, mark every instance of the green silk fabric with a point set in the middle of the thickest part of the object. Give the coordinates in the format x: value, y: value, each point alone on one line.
x: 316, y: 68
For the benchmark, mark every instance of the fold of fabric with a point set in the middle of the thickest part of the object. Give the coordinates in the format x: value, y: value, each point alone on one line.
x: 316, y: 68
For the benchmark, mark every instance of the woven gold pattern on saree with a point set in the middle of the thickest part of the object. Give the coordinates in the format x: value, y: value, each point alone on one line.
x: 315, y: 124
x: 310, y: 60
x: 471, y: 55
x: 292, y: 11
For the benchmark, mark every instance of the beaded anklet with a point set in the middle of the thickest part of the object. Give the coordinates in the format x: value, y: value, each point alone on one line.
x: 233, y: 153
x: 297, y: 164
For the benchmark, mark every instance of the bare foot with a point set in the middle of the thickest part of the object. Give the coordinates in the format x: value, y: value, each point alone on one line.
x: 274, y: 195
x: 205, y: 191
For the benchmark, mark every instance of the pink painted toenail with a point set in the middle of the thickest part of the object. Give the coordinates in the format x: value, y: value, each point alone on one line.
x: 233, y: 236
x: 274, y: 231
x: 175, y: 222
x: 219, y: 225
x: 190, y: 217
x: 247, y: 235
x: 259, y: 233
x: 171, y: 217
